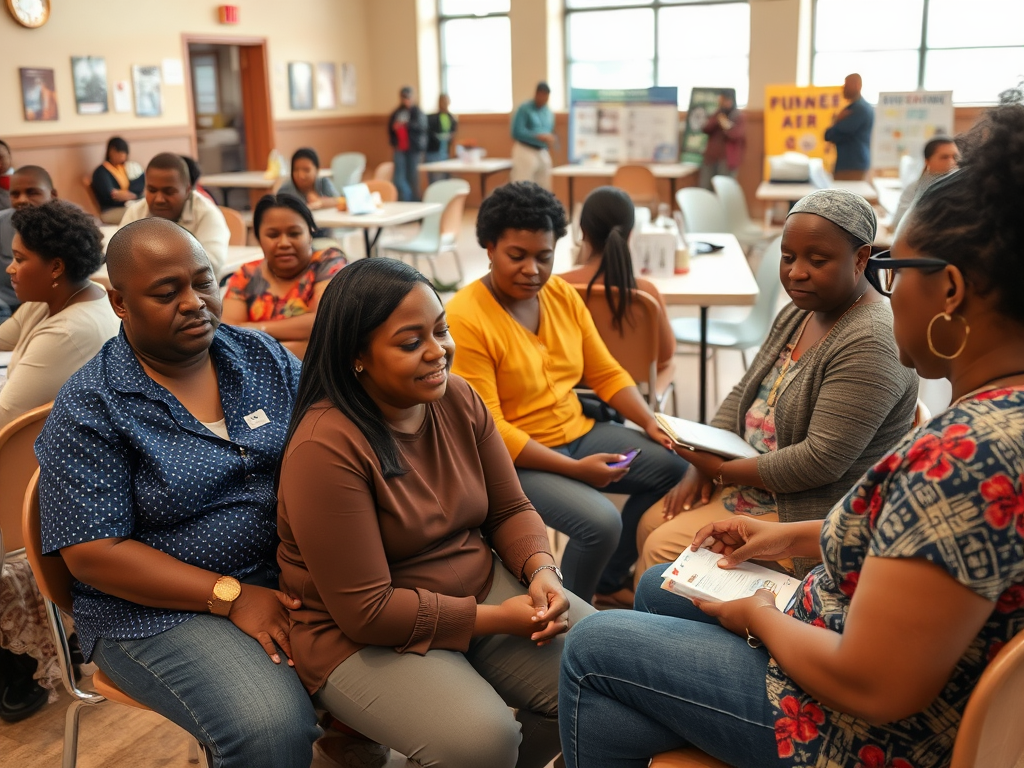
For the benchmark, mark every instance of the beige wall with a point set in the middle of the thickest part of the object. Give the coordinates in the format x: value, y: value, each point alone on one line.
x: 128, y: 33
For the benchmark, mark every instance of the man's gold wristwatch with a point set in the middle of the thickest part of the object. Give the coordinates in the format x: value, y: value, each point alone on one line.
x: 225, y: 592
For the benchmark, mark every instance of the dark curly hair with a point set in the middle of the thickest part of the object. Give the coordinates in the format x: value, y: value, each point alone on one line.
x: 519, y: 205
x: 974, y: 218
x: 58, y: 229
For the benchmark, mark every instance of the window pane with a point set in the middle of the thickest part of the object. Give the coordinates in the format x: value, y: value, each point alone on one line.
x: 881, y: 70
x: 478, y: 64
x: 612, y: 74
x: 955, y: 24
x: 599, y: 36
x: 867, y: 25
x: 473, y: 7
x: 603, y: 3
x: 975, y: 76
x: 684, y: 32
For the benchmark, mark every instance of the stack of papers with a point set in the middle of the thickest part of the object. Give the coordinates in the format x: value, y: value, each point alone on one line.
x: 695, y: 574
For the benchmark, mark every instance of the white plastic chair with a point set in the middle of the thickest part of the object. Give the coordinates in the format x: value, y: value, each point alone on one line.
x: 347, y: 168
x: 431, y: 240
x: 737, y: 216
x: 702, y: 210
x: 752, y: 330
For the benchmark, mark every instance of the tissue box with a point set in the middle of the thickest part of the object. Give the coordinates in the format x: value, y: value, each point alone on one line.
x: 654, y: 252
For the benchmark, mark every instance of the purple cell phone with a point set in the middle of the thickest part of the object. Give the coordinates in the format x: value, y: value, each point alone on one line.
x: 630, y: 455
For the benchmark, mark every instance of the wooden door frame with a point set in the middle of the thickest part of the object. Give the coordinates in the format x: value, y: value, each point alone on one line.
x: 257, y: 110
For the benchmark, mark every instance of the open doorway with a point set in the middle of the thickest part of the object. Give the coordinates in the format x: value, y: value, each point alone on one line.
x: 229, y: 100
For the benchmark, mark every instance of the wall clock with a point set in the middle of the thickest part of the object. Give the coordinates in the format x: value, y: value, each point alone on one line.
x: 29, y: 13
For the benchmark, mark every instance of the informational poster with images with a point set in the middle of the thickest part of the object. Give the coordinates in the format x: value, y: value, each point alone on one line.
x: 348, y: 85
x: 703, y: 104
x: 148, y: 99
x: 326, y: 85
x: 38, y: 94
x: 618, y: 126
x: 796, y: 118
x: 904, y: 123
x: 300, y: 85
x: 90, y: 77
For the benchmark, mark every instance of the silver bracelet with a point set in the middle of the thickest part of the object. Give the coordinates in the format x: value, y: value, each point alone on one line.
x: 554, y: 568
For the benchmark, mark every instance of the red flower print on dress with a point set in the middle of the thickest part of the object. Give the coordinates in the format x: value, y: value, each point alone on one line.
x: 994, y: 649
x: 931, y: 454
x: 849, y: 584
x: 874, y: 757
x: 1011, y: 600
x: 872, y: 505
x: 996, y: 394
x: 800, y: 724
x: 887, y: 464
x: 1006, y: 502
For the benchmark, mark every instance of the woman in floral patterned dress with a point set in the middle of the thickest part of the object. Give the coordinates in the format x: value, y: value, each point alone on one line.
x: 279, y: 294
x: 921, y: 580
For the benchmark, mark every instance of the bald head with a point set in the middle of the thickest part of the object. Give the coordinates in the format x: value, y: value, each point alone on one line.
x: 852, y: 87
x: 137, y: 243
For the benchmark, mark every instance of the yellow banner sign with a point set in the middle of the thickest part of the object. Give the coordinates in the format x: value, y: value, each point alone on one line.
x: 795, y: 120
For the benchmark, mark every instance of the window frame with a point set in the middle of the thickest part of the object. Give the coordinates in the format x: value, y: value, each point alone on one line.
x: 922, y: 50
x: 656, y: 6
x: 442, y: 54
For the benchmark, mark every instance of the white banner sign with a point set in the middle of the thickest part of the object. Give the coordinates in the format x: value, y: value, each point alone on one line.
x: 904, y: 122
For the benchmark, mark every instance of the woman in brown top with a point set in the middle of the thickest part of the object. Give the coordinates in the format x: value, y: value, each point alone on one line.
x: 395, y: 486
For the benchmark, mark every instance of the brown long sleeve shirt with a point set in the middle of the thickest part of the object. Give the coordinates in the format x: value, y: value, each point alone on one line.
x: 398, y: 562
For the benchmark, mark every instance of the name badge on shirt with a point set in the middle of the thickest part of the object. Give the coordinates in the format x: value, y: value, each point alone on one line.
x: 257, y: 419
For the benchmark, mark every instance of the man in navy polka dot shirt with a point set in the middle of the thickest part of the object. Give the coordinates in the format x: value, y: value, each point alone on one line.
x: 157, y: 486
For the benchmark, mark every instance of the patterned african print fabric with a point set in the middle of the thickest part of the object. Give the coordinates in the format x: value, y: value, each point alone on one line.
x: 249, y: 284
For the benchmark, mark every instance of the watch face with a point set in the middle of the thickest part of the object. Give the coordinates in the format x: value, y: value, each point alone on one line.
x: 227, y: 589
x: 30, y: 13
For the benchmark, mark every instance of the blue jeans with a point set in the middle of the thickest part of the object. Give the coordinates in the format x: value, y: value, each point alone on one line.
x: 436, y: 157
x: 407, y: 175
x: 637, y: 683
x: 217, y: 683
x: 602, y: 542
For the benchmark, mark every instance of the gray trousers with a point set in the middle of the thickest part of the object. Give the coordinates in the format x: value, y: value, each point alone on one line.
x: 710, y: 170
x: 447, y: 709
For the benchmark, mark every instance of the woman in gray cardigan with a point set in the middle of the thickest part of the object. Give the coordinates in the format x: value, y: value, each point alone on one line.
x: 823, y: 400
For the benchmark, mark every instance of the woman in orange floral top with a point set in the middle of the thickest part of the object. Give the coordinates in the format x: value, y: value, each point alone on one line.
x: 279, y: 295
x: 921, y: 576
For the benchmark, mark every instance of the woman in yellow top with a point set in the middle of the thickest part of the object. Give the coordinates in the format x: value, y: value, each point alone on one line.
x: 524, y: 340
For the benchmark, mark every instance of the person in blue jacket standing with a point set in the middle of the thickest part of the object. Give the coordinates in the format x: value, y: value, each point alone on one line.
x: 851, y: 133
x: 533, y: 134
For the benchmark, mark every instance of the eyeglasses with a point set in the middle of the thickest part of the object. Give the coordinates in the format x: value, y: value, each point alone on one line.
x: 881, y: 271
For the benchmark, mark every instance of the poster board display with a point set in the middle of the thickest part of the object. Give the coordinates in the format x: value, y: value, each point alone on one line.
x: 619, y: 126
x: 905, y: 121
x: 796, y: 118
x: 703, y: 104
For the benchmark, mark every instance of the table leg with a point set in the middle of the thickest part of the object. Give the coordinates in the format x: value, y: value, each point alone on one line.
x: 672, y: 192
x: 703, y: 365
x: 570, y: 196
x: 483, y: 186
x: 367, y: 242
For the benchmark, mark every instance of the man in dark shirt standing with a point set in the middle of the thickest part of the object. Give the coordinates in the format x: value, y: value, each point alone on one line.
x: 407, y: 132
x: 851, y: 133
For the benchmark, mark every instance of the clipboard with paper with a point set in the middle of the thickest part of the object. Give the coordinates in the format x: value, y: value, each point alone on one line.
x: 701, y: 437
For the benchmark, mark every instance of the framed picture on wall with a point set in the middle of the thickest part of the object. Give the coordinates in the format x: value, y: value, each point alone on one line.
x: 38, y: 94
x: 300, y: 84
x: 348, y: 85
x: 90, y: 76
x: 148, y: 100
x: 326, y: 85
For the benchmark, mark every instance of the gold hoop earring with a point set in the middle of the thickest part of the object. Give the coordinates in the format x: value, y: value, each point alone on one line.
x: 948, y: 318
x: 358, y: 368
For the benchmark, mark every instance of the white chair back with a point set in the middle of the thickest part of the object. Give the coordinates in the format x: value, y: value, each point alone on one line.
x: 753, y: 329
x: 702, y: 210
x: 347, y: 168
x: 734, y: 204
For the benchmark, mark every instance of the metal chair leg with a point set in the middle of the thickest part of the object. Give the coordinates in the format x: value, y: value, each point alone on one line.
x: 743, y: 356
x: 714, y: 376
x: 71, y: 719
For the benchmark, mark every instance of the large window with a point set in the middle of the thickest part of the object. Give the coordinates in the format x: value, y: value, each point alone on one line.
x: 476, y: 54
x: 974, y: 49
x: 639, y: 44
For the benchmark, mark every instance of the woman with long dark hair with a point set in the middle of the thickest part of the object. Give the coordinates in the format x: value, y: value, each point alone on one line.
x: 117, y: 181
x: 395, y: 494
x: 607, y: 221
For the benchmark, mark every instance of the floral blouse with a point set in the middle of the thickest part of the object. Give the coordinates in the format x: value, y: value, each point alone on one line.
x: 952, y: 492
x: 249, y: 284
x: 760, y: 434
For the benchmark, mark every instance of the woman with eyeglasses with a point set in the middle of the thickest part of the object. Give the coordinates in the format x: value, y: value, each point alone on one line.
x: 921, y: 581
x: 823, y: 400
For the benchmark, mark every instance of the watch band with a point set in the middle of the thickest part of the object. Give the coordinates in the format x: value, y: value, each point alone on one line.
x: 549, y: 567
